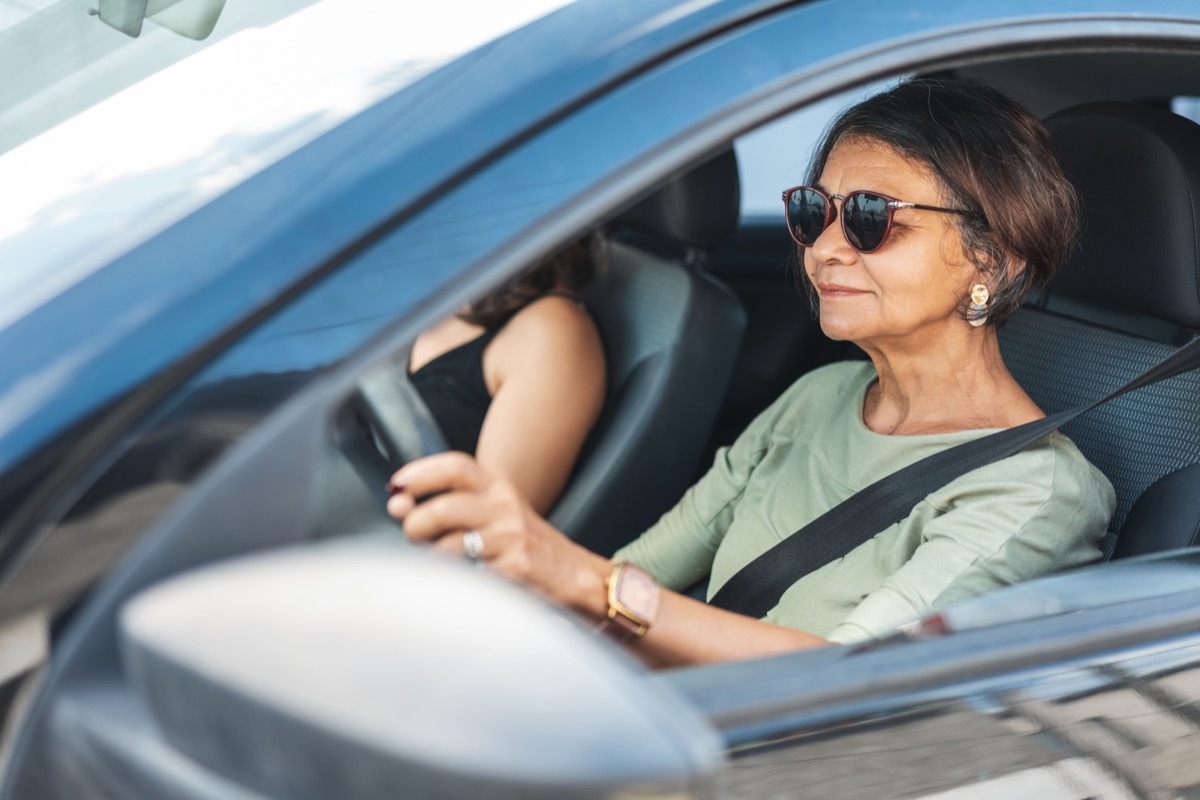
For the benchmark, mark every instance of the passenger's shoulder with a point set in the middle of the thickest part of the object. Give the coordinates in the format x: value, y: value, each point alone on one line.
x: 552, y: 312
x: 550, y: 341
x: 552, y: 321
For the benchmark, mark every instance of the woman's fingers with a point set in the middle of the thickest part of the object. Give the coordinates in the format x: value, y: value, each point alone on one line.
x: 448, y: 500
x: 445, y: 513
x: 450, y: 493
x: 470, y: 543
x: 442, y: 472
x: 425, y: 478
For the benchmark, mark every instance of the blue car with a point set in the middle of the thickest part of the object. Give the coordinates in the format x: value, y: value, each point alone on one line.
x: 223, y: 224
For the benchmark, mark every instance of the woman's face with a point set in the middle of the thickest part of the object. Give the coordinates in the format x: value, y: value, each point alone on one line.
x: 906, y: 293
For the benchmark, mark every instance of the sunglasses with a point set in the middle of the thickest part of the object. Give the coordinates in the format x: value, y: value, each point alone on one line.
x: 866, y: 216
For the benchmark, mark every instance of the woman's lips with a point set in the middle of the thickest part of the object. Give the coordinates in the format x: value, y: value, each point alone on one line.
x: 834, y: 290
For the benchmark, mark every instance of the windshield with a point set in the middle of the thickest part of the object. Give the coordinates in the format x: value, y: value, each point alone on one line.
x: 113, y: 136
x: 58, y: 59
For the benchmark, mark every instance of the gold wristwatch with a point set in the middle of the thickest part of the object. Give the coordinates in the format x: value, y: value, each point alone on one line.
x: 633, y: 599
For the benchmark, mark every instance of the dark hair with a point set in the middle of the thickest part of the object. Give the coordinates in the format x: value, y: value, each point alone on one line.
x: 993, y: 159
x: 567, y: 272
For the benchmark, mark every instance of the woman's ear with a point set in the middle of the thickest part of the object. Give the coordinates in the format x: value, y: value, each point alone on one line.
x: 988, y: 271
x: 1014, y: 266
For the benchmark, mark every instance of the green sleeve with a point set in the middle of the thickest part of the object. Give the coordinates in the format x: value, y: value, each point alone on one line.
x: 678, y: 550
x: 991, y: 528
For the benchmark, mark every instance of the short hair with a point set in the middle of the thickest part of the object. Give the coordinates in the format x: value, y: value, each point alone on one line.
x: 567, y: 272
x: 994, y: 159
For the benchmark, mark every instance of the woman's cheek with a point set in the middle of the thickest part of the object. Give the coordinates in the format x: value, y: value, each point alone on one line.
x: 810, y: 265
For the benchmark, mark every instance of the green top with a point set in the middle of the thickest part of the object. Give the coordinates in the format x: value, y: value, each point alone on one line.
x: 1041, y: 510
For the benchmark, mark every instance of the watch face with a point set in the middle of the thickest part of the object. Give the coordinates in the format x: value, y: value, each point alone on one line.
x: 638, y: 592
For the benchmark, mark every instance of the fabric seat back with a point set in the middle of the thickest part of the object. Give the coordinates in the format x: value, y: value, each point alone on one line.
x: 671, y: 335
x: 1127, y: 296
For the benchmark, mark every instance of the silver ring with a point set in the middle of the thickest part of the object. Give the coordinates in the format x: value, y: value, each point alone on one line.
x: 473, y: 545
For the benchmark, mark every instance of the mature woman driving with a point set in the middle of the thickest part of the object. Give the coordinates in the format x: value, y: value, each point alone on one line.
x: 931, y: 211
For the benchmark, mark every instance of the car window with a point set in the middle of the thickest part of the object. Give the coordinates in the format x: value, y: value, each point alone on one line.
x: 113, y: 137
x: 261, y: 496
x: 776, y: 156
x: 1186, y: 107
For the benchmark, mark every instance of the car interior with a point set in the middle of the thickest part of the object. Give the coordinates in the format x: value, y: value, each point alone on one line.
x: 704, y: 323
x: 671, y: 334
x: 1126, y: 297
x: 696, y: 306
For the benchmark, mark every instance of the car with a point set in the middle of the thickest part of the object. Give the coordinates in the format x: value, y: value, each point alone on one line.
x: 217, y: 252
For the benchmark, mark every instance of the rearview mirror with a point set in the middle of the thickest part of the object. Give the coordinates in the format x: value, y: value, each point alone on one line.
x: 194, y: 19
x: 374, y: 670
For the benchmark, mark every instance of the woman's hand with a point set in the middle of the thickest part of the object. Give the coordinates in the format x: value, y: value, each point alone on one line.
x: 443, y: 497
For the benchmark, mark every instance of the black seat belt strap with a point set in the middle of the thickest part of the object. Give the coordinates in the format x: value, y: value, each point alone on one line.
x: 758, y: 586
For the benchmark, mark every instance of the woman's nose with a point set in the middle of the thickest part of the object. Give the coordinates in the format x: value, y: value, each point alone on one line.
x: 831, y: 245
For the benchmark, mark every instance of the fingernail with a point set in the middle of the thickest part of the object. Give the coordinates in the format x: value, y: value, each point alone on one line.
x: 395, y: 487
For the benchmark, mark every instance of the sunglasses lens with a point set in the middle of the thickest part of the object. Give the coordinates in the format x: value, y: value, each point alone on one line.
x: 806, y: 215
x: 866, y: 220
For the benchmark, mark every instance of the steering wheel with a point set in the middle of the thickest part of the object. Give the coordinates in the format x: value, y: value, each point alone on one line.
x: 399, y: 419
x: 385, y: 425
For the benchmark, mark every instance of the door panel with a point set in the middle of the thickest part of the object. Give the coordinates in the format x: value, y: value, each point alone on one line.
x: 1089, y: 700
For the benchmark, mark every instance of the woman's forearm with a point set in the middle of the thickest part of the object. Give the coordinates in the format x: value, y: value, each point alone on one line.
x: 687, y: 631
x: 458, y: 496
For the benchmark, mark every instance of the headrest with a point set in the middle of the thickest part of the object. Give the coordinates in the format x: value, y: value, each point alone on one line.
x: 1137, y: 169
x: 699, y: 207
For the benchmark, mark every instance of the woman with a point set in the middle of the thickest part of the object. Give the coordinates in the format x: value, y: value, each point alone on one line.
x: 518, y: 378
x: 981, y: 215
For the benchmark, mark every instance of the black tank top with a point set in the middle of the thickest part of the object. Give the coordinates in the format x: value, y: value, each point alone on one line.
x: 453, y: 387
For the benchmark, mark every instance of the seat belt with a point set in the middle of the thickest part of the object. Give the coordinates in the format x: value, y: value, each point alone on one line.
x: 759, y: 585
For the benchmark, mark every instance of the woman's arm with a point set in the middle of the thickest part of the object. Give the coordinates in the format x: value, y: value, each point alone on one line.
x: 546, y: 371
x: 1040, y: 511
x: 688, y: 631
x: 463, y: 496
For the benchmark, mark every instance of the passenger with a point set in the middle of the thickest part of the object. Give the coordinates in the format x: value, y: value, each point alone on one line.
x: 920, y: 288
x: 517, y: 379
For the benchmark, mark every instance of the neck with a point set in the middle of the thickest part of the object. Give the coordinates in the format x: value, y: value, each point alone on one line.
x: 961, y: 384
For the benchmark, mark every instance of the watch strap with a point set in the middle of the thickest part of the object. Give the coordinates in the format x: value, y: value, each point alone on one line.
x: 620, y: 628
x: 620, y: 622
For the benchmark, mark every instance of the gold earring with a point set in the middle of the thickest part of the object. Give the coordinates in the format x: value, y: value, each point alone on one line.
x: 979, y: 301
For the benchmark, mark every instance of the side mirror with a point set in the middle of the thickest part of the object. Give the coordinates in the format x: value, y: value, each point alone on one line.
x: 362, y: 670
x: 194, y: 19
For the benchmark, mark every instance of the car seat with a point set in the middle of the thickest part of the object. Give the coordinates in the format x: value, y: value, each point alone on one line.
x: 671, y: 336
x: 1127, y: 296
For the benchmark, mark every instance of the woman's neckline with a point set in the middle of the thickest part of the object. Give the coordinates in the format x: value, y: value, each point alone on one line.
x: 860, y: 419
x: 443, y: 355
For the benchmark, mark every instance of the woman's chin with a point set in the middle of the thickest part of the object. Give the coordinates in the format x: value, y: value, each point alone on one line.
x: 840, y: 330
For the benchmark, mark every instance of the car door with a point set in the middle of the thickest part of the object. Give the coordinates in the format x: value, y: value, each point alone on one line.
x: 1097, y: 702
x: 784, y: 722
